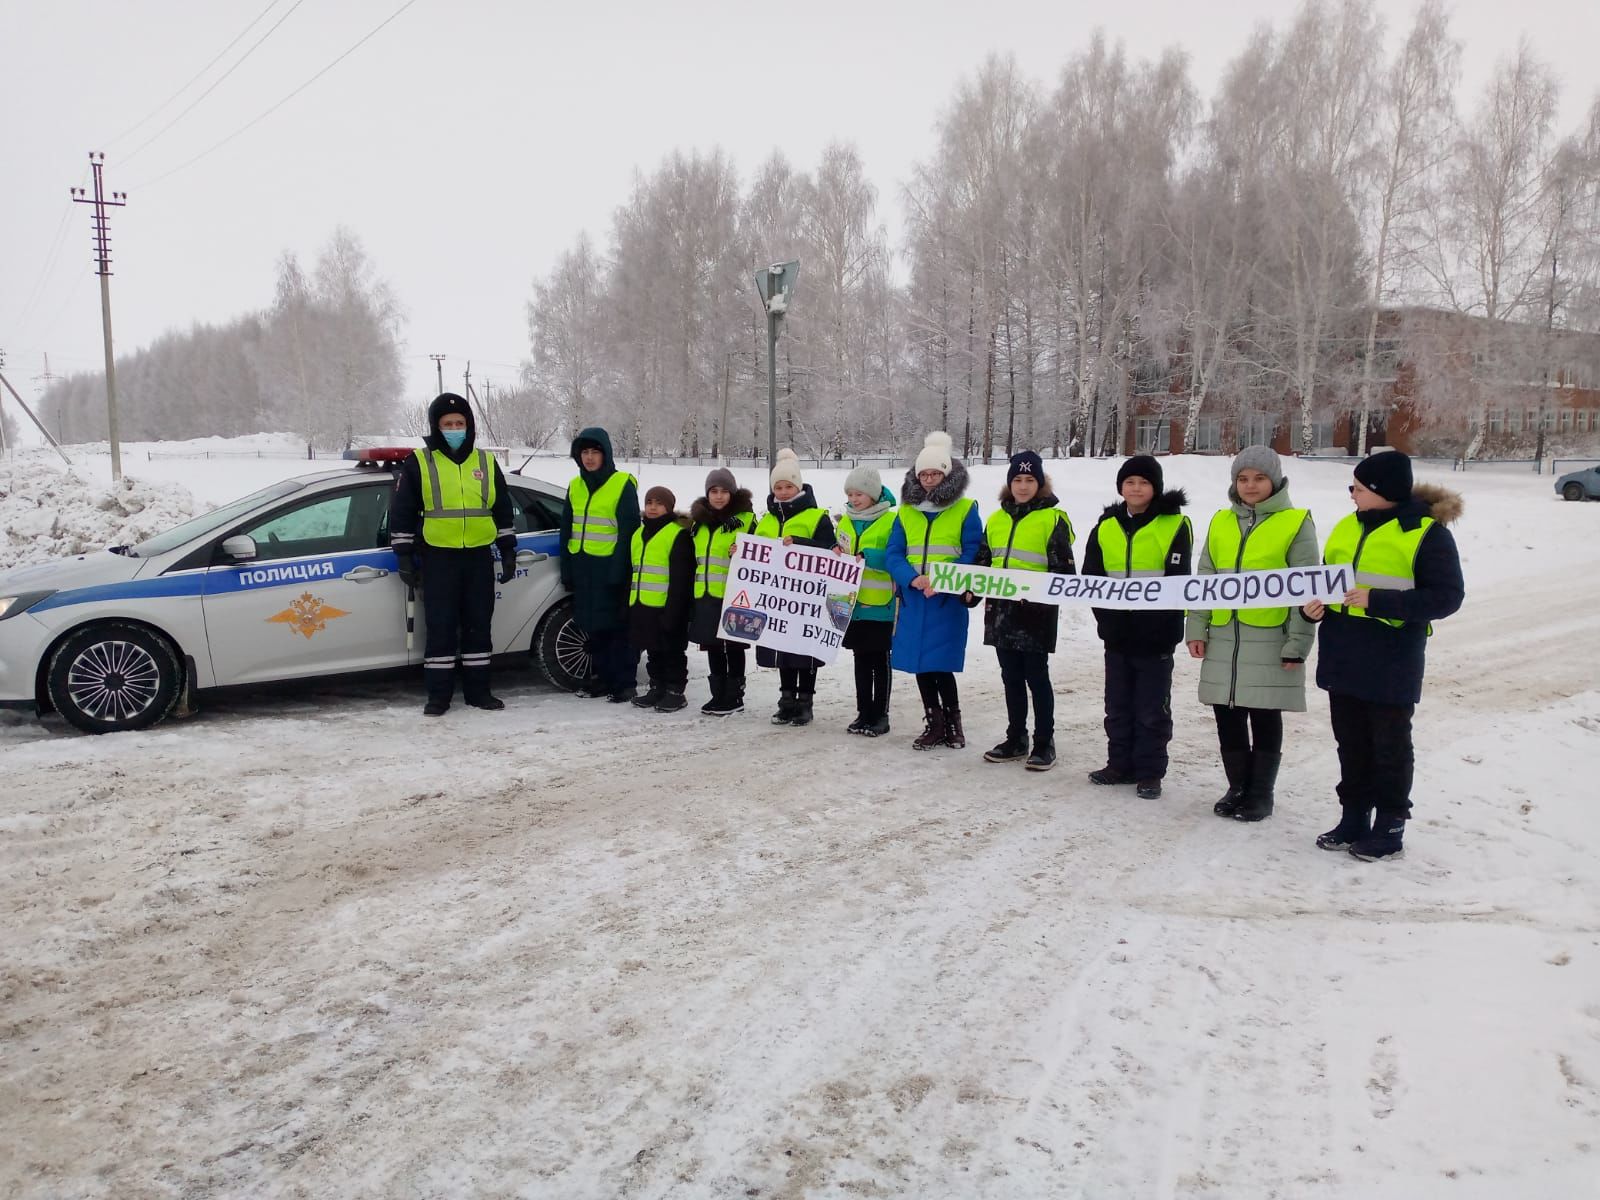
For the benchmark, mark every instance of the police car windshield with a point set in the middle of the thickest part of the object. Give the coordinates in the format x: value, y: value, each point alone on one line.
x: 215, y: 519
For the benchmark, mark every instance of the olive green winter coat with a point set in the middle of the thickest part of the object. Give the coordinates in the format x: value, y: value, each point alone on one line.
x: 1243, y: 665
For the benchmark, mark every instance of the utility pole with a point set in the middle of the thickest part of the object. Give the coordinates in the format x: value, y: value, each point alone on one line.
x: 23, y: 405
x: 438, y: 365
x: 4, y: 448
x: 48, y: 379
x: 102, y: 255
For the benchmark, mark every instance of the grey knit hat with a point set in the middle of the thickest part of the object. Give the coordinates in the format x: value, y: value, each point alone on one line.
x: 864, y: 479
x: 1259, y: 458
x: 721, y: 477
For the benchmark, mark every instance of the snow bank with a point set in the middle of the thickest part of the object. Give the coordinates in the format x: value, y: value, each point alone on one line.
x: 47, y: 512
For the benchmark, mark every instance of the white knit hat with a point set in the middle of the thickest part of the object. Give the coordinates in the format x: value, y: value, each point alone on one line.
x: 935, y: 453
x: 787, y: 467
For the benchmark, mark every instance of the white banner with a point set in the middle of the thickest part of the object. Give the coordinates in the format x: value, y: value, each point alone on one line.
x: 1285, y: 588
x: 793, y: 598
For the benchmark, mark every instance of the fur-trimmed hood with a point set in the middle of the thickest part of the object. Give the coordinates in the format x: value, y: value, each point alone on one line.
x: 1427, y: 500
x: 1168, y: 504
x: 951, y: 488
x: 701, y: 512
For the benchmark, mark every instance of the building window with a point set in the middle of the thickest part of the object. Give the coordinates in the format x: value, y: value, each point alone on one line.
x: 1566, y: 420
x: 1513, y: 420
x: 1583, y: 420
x: 1152, y: 435
x: 1322, y: 432
x: 1497, y: 420
x: 1257, y: 429
x: 1208, y: 434
x: 1533, y: 421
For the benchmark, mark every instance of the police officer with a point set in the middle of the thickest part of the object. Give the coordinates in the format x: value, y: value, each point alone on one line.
x: 450, y: 506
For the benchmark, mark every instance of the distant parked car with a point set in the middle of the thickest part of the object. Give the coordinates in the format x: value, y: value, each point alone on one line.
x: 1580, y: 485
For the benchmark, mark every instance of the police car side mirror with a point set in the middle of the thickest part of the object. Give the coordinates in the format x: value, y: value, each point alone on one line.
x: 240, y: 548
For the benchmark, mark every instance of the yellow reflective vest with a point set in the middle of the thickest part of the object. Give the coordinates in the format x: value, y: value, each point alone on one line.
x: 1024, y: 545
x: 457, y: 500
x: 1384, y: 557
x: 1264, y: 548
x: 802, y: 525
x: 933, y: 541
x: 713, y: 549
x: 1152, y: 543
x: 652, y: 571
x: 877, y: 589
x: 594, y: 517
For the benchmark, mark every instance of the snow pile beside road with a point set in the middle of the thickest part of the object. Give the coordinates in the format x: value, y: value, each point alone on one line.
x: 48, y: 513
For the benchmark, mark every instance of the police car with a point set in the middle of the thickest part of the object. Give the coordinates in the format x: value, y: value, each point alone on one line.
x: 295, y: 581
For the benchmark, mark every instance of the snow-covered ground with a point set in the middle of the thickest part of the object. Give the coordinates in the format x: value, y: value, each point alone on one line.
x: 307, y: 945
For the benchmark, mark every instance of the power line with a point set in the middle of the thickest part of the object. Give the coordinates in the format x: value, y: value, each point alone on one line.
x: 51, y: 254
x: 252, y: 124
x: 240, y: 62
x: 193, y: 79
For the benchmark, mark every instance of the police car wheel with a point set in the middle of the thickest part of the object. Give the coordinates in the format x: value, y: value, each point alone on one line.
x: 562, y: 649
x: 1573, y: 491
x: 114, y: 676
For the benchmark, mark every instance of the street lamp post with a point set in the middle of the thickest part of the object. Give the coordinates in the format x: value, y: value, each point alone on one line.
x: 776, y: 285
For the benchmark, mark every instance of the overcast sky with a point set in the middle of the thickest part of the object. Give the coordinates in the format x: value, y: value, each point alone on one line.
x: 469, y: 140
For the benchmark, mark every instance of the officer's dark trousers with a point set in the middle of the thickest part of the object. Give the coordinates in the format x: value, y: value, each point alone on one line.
x: 458, y: 603
x: 1138, y: 713
x: 1375, y: 757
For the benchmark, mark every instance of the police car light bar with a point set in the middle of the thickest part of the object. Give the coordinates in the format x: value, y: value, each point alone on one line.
x: 380, y: 454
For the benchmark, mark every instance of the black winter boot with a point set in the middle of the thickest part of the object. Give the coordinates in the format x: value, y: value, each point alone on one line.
x: 932, y: 730
x: 786, y: 706
x: 1385, y: 841
x: 652, y: 696
x: 1013, y: 749
x: 1044, y: 753
x: 487, y: 701
x: 876, y: 725
x: 1257, y: 802
x: 954, y: 736
x: 672, y: 699
x: 1354, y: 825
x: 719, y: 688
x: 1148, y: 789
x: 436, y: 707
x: 1109, y: 776
x: 802, y: 709
x: 1236, y: 765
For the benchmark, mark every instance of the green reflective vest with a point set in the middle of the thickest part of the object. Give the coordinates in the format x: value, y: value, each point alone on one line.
x: 1264, y: 548
x: 1024, y: 545
x: 877, y: 589
x: 1385, y: 557
x: 652, y: 565
x: 933, y: 541
x: 801, y: 525
x: 457, y: 500
x: 713, y: 548
x: 594, y: 517
x: 1152, y: 543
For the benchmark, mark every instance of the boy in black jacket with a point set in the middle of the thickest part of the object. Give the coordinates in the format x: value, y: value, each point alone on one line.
x: 659, y: 599
x: 1371, y: 647
x: 1143, y: 535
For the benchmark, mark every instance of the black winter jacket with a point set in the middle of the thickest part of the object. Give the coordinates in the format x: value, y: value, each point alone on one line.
x: 599, y: 586
x: 706, y: 620
x: 1129, y: 631
x: 1383, y: 664
x: 665, y: 629
x: 823, y: 538
x: 1021, y: 624
x: 405, y: 505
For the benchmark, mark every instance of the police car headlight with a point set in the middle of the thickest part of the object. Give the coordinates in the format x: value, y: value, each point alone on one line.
x: 10, y: 606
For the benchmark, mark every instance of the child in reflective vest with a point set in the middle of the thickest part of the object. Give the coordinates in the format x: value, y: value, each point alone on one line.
x: 662, y: 555
x: 715, y: 522
x: 1371, y: 646
x: 1144, y: 534
x: 864, y: 533
x: 1253, y: 659
x: 794, y: 516
x: 1028, y: 533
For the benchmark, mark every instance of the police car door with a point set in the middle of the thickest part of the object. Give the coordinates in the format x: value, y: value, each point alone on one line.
x: 320, y: 597
x: 518, y: 604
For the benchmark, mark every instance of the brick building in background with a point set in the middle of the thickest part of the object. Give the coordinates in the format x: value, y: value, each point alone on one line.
x: 1436, y: 374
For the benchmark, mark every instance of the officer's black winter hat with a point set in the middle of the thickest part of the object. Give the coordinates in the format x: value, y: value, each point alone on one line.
x: 1143, y: 466
x: 443, y: 405
x: 1388, y: 473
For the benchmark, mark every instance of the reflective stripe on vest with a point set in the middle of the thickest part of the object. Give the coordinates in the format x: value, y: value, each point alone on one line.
x: 713, y: 550
x: 1152, y: 543
x: 1264, y: 548
x: 1024, y: 545
x: 457, y: 500
x: 933, y: 541
x: 802, y: 525
x: 1385, y: 557
x: 877, y: 588
x: 594, y: 517
x: 652, y: 565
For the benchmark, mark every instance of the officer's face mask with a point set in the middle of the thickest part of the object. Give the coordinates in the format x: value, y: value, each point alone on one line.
x: 454, y: 438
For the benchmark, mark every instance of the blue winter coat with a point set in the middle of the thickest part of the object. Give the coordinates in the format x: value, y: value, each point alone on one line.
x: 931, y: 634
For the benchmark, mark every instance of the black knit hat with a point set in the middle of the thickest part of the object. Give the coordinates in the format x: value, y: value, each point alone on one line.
x: 1145, y: 467
x: 1026, y: 462
x: 1388, y: 473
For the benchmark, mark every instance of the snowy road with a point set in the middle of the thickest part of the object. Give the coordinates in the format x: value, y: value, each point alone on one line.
x: 291, y: 948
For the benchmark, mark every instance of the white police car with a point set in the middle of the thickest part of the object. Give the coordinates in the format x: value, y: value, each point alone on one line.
x: 296, y: 581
